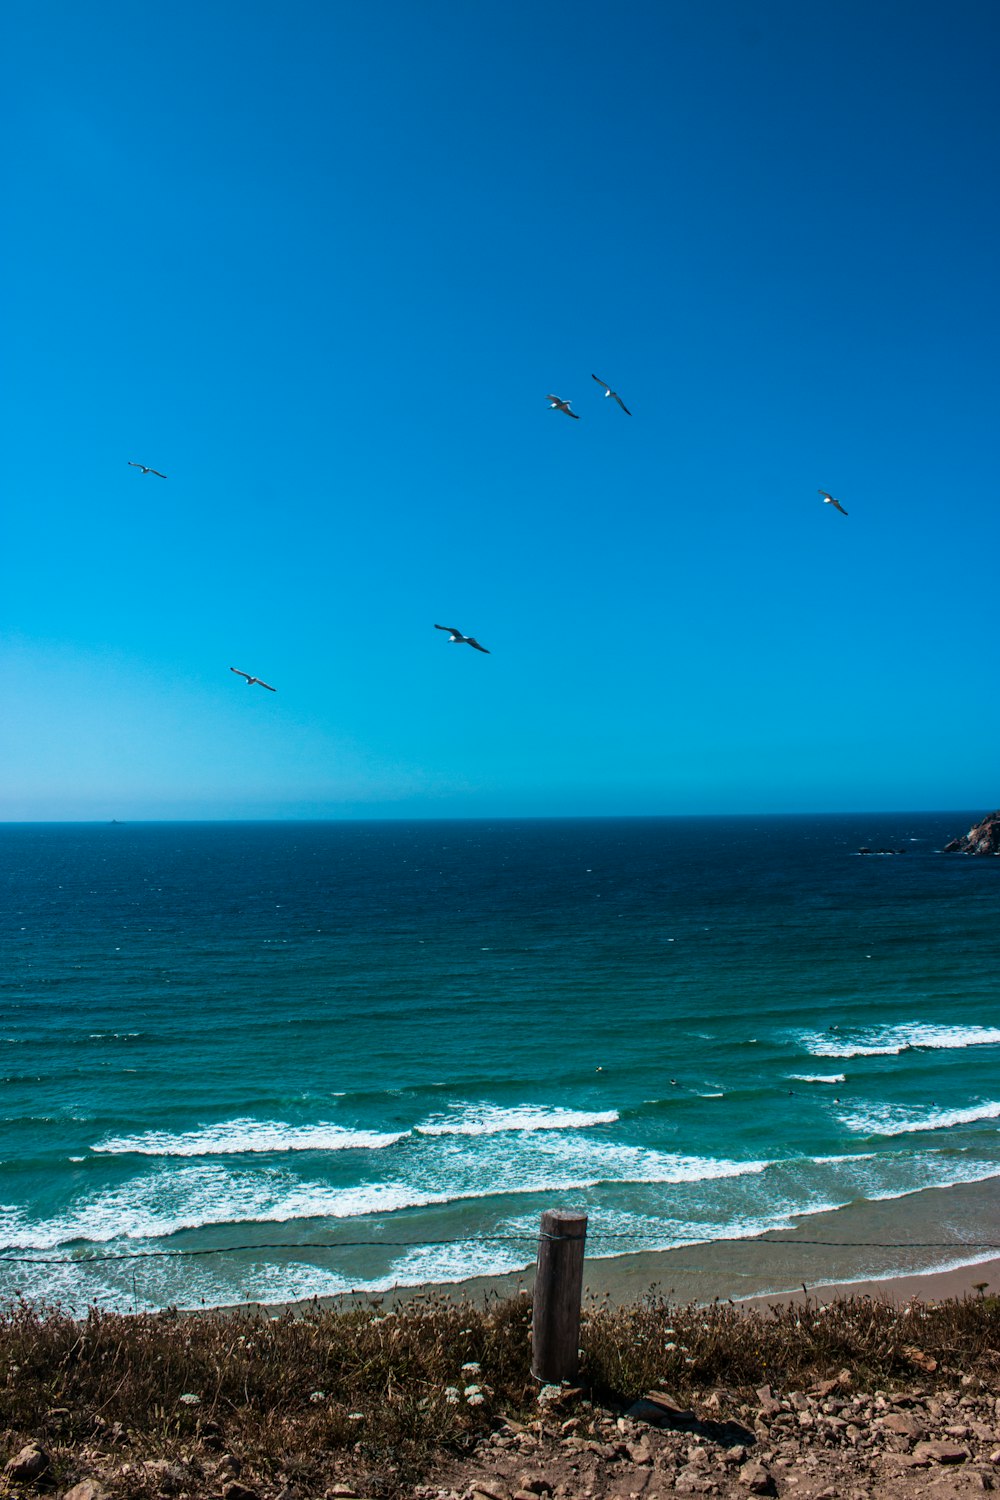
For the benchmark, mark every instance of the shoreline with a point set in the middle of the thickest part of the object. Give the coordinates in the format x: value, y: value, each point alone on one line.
x: 934, y: 1244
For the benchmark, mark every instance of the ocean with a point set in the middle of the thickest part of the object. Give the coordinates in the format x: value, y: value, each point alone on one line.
x: 277, y: 1060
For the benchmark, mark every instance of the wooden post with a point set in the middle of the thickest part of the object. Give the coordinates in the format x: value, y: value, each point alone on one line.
x: 555, y: 1310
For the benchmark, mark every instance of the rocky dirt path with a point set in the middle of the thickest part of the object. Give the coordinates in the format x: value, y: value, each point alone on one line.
x: 823, y: 1444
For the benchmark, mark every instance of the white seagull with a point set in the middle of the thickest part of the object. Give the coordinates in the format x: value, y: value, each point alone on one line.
x: 829, y: 500
x: 609, y: 392
x: 251, y: 680
x: 145, y: 469
x: 560, y: 405
x: 456, y: 636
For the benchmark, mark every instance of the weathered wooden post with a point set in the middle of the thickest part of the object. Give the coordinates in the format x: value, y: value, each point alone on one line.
x: 555, y: 1310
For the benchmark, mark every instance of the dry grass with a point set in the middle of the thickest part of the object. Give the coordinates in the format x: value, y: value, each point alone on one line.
x: 307, y: 1397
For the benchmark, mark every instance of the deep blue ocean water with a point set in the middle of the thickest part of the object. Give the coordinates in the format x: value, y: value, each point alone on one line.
x: 233, y: 1035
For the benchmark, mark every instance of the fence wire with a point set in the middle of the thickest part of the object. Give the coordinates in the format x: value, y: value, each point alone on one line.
x: 89, y: 1259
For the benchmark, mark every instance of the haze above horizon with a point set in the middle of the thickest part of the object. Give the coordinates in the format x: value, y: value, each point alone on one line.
x: 321, y: 266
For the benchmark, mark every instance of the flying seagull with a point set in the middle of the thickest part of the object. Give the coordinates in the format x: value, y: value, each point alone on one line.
x: 457, y: 638
x: 829, y: 500
x: 559, y: 405
x: 146, y: 469
x: 609, y: 392
x: 251, y: 680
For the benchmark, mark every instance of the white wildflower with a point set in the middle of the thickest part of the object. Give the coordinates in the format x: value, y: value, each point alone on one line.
x: 472, y: 1368
x: 189, y: 1399
x: 317, y: 1395
x: 475, y: 1399
x: 472, y: 1390
x: 451, y: 1395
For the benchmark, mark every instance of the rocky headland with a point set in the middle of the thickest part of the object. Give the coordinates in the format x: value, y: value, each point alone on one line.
x: 982, y: 838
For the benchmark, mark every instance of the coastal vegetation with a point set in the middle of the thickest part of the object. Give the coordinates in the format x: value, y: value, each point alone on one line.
x: 375, y: 1398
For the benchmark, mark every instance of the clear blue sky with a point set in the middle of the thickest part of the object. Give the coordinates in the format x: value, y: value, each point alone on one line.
x: 321, y: 263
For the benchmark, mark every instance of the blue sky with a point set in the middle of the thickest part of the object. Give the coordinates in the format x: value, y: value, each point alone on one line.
x: 321, y: 264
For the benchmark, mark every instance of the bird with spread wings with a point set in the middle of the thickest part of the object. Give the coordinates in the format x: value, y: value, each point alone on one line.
x: 457, y: 638
x: 251, y: 680
x: 145, y: 469
x: 557, y: 404
x: 609, y: 392
x: 829, y: 500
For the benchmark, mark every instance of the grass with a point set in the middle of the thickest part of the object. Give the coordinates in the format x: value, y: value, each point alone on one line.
x: 309, y: 1397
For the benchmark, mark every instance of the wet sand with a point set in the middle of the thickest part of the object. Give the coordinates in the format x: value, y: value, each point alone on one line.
x: 934, y: 1244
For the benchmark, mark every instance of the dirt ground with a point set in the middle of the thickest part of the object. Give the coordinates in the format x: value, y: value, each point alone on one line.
x: 821, y: 1444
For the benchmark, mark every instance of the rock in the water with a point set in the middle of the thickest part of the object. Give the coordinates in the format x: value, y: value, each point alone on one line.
x: 28, y: 1465
x: 982, y: 838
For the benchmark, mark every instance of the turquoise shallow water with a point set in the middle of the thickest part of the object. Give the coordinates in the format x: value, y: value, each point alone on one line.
x: 222, y: 1036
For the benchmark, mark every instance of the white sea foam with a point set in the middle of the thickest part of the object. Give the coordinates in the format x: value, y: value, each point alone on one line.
x: 268, y: 1278
x: 242, y: 1137
x: 198, y: 1197
x: 899, y: 1119
x: 887, y: 1041
x: 489, y: 1119
x: 818, y: 1077
x: 206, y: 1193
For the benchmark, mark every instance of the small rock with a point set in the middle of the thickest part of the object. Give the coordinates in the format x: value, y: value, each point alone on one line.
x: 995, y: 1456
x: 769, y: 1407
x: 170, y: 1479
x: 756, y: 1478
x: 940, y: 1453
x: 87, y: 1489
x: 603, y: 1450
x: 904, y: 1425
x: 917, y: 1357
x: 535, y: 1485
x: 660, y: 1410
x: 28, y: 1465
x: 691, y: 1480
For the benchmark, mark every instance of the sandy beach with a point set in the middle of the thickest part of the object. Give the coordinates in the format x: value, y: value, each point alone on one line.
x: 933, y: 1244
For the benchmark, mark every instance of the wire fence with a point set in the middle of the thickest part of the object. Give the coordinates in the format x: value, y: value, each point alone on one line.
x: 88, y: 1258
